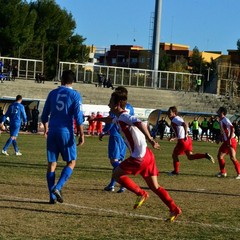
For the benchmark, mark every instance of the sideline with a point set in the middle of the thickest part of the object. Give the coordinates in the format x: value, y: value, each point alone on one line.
x: 134, y: 215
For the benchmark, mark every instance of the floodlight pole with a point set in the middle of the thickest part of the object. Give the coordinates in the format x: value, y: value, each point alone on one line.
x: 156, y: 41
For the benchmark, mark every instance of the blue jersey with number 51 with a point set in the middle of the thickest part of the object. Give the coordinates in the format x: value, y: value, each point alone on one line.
x: 63, y: 105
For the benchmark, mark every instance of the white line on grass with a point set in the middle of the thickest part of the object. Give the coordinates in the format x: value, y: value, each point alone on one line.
x: 128, y: 214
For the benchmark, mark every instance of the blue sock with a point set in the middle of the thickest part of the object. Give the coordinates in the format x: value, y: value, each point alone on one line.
x: 14, y: 143
x: 113, y: 182
x: 65, y: 175
x: 9, y: 141
x: 51, y: 181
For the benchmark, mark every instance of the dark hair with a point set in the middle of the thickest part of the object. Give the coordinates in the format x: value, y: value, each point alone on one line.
x: 121, y: 89
x: 222, y: 110
x: 68, y: 77
x: 173, y: 109
x: 120, y: 97
x: 18, y: 97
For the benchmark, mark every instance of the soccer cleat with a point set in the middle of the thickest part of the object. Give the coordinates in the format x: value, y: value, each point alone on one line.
x: 173, y: 215
x: 140, y: 200
x: 109, y: 188
x: 173, y: 173
x: 18, y: 154
x: 238, y: 177
x: 121, y: 190
x: 58, y: 195
x: 209, y: 157
x: 5, y: 153
x: 221, y: 175
x: 52, y: 201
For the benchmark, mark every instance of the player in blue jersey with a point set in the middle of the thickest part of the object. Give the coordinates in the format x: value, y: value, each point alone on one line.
x: 116, y: 144
x: 63, y: 105
x: 16, y: 113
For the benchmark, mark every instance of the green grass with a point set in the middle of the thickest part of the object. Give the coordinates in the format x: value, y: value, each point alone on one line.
x: 210, y: 205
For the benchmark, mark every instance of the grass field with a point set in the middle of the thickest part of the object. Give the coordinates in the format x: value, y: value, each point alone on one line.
x: 210, y: 205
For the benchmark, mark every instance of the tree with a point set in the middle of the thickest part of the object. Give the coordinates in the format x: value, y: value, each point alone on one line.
x: 16, y: 27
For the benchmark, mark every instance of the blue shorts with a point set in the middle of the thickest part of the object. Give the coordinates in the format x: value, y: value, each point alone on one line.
x: 61, y: 143
x: 116, y: 148
x: 14, y: 130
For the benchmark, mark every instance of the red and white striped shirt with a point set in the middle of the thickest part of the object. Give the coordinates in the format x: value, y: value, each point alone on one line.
x: 226, y: 128
x: 133, y: 137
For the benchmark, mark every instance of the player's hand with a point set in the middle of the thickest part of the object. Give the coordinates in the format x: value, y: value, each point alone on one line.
x: 80, y: 140
x: 154, y: 144
x: 100, y: 137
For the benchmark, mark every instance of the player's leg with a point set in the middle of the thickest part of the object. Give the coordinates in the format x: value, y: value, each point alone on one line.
x: 50, y: 176
x: 122, y: 178
x: 232, y: 154
x: 176, y: 165
x: 163, y: 194
x: 68, y: 150
x: 221, y: 162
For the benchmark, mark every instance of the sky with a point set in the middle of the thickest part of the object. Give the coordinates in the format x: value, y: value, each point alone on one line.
x: 209, y: 25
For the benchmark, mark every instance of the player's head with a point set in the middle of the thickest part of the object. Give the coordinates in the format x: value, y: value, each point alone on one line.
x: 172, y: 111
x: 118, y: 99
x: 18, y: 98
x: 222, y: 111
x: 68, y: 77
x: 121, y: 89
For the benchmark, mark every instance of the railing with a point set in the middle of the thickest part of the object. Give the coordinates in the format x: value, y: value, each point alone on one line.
x: 88, y: 73
x: 26, y: 68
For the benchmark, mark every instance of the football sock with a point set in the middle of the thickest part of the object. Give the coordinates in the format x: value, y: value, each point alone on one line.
x: 65, y: 175
x: 222, y: 165
x: 128, y: 183
x: 51, y: 181
x: 176, y: 166
x: 165, y: 197
x: 9, y: 141
x: 237, y: 166
x: 14, y: 143
x: 113, y: 181
x: 198, y: 156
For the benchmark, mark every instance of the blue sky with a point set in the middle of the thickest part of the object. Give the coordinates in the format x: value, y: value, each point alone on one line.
x: 207, y: 24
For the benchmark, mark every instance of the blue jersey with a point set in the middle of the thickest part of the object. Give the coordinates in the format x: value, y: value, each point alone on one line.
x: 63, y: 105
x: 129, y: 108
x: 16, y: 114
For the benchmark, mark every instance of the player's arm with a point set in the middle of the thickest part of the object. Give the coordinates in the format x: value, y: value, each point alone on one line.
x: 143, y: 128
x: 80, y: 135
x: 185, y: 130
x: 107, y: 119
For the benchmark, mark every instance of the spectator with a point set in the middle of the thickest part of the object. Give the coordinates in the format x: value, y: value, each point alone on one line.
x: 91, y: 124
x: 99, y: 126
x: 14, y: 72
x: 35, y: 114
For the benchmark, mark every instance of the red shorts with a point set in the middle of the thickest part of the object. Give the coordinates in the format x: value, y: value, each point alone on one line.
x: 145, y: 166
x: 183, y: 146
x: 224, y: 148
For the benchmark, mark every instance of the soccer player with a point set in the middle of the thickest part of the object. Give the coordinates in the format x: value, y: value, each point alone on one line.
x: 229, y: 145
x: 184, y: 143
x: 63, y: 105
x: 16, y: 113
x: 141, y: 160
x: 116, y: 146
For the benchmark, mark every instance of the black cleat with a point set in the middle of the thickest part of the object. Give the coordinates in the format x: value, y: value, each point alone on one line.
x: 52, y: 201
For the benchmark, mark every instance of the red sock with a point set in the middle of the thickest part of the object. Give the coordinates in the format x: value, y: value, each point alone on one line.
x: 128, y: 183
x: 198, y: 156
x: 165, y: 197
x: 176, y: 166
x: 221, y: 163
x: 237, y: 166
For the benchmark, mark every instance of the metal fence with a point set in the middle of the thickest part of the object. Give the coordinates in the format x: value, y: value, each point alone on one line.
x: 88, y: 73
x: 26, y: 68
